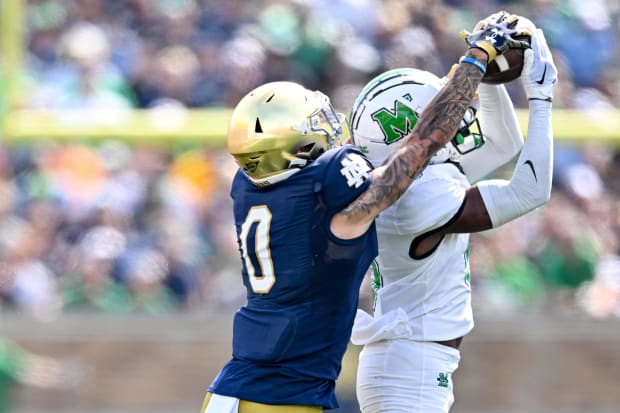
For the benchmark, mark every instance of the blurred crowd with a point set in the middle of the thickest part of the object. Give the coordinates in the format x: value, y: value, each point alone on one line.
x: 119, y: 227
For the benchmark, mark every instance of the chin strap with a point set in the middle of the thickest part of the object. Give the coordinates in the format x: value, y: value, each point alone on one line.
x: 281, y: 176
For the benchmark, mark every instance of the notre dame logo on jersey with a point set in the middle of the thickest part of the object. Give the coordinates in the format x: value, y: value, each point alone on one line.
x: 355, y: 169
x: 396, y: 123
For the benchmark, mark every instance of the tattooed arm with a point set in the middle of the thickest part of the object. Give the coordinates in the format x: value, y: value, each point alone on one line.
x: 435, y: 128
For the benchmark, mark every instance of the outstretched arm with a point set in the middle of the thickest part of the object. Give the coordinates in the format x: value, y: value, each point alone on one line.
x: 437, y: 125
x: 494, y: 202
x: 530, y: 185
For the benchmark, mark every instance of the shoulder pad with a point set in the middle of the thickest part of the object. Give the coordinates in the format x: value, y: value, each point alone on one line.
x: 347, y: 174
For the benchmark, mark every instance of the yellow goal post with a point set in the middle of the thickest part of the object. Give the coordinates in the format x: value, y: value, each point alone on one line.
x: 206, y: 126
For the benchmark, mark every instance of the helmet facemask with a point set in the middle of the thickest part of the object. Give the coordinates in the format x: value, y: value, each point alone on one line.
x: 469, y: 137
x: 326, y: 121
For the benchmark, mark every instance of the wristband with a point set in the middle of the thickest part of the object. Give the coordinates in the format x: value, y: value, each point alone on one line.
x: 472, y: 61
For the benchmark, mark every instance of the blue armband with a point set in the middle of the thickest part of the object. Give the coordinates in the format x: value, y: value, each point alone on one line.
x: 471, y: 60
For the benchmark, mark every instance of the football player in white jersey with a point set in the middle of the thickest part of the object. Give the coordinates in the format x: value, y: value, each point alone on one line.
x: 421, y: 277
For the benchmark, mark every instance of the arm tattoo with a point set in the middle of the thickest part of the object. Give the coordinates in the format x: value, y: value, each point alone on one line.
x: 435, y: 128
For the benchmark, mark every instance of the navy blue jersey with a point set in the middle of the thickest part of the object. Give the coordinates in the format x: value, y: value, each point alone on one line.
x: 302, y: 283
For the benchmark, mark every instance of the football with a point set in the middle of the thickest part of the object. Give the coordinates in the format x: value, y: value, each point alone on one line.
x: 508, y: 66
x: 505, y: 67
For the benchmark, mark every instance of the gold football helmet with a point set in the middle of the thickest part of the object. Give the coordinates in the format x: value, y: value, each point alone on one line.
x: 280, y: 127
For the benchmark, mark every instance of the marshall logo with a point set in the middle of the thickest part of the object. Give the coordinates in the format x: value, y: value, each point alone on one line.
x: 443, y: 380
x: 396, y: 123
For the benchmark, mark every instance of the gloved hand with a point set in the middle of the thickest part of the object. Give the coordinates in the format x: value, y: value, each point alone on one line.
x: 496, y: 34
x: 539, y: 72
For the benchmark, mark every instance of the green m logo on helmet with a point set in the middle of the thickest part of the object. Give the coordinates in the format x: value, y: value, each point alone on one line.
x: 397, y: 123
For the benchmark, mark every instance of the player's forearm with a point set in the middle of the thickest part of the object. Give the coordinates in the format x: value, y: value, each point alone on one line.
x: 500, y: 126
x: 436, y: 127
x: 530, y: 185
x: 536, y: 158
x: 498, y: 113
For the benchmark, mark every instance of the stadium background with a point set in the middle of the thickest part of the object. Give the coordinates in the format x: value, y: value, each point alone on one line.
x: 117, y: 256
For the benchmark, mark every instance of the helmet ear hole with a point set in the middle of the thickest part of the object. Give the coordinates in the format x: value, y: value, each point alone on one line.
x: 306, y: 149
x: 310, y: 151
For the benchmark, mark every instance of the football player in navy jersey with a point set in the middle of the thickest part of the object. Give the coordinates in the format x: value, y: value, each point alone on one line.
x: 304, y: 211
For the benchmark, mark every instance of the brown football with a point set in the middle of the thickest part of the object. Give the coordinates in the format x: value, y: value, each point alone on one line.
x: 505, y: 67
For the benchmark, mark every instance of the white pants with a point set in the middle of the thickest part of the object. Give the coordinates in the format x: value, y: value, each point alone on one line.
x: 405, y: 376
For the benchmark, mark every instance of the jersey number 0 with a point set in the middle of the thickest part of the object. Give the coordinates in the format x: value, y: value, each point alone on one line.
x: 263, y: 281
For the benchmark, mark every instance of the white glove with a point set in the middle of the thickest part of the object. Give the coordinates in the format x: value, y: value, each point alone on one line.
x: 539, y: 72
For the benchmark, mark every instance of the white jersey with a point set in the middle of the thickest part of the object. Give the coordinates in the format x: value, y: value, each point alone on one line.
x: 430, y: 296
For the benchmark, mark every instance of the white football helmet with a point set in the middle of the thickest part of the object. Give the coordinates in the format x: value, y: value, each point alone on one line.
x: 388, y: 108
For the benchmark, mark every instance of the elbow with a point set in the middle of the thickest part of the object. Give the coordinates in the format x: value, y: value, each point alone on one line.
x: 514, y: 135
x: 546, y: 197
x: 541, y: 198
x: 548, y: 194
x: 533, y: 198
x: 517, y: 143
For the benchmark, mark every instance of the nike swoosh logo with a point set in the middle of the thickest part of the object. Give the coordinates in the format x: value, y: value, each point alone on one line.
x: 531, y: 165
x: 542, y: 79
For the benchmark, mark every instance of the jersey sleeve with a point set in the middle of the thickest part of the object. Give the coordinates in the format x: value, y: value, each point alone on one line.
x: 347, y: 175
x: 432, y: 201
